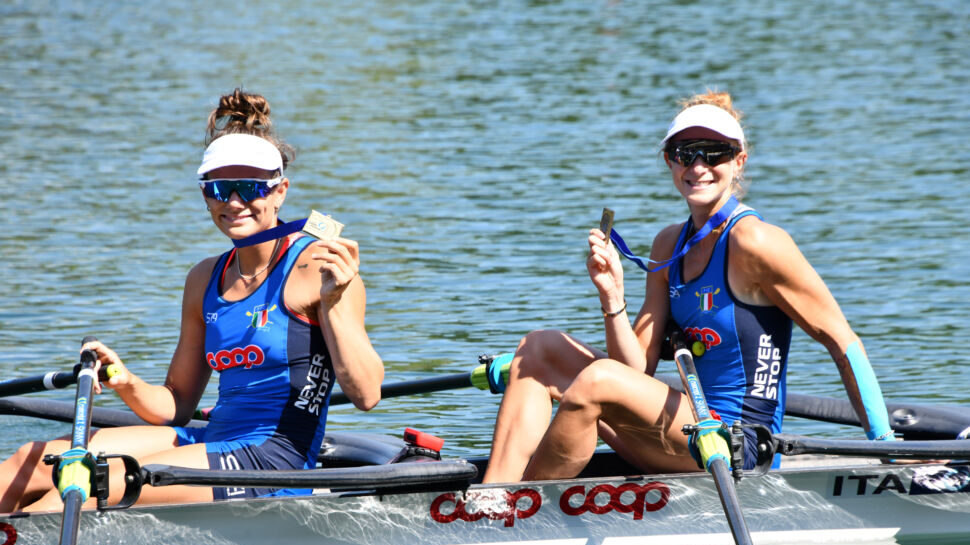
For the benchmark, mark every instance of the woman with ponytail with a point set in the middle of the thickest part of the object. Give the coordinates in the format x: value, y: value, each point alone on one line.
x: 730, y: 281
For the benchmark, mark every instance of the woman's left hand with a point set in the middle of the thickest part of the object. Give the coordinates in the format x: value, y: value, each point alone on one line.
x: 339, y: 261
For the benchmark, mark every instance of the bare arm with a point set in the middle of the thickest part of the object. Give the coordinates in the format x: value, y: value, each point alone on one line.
x: 651, y: 322
x: 767, y: 261
x: 637, y: 346
x: 340, y: 306
x: 174, y: 402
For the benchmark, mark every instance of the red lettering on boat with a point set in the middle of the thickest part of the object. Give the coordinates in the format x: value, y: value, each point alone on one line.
x: 492, y: 508
x: 638, y: 506
x: 9, y: 531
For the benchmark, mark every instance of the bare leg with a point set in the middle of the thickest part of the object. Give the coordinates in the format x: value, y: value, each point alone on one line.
x: 643, y: 418
x: 545, y: 363
x: 24, y: 477
x: 192, y: 456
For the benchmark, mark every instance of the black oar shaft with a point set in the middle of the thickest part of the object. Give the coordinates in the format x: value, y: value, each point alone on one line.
x: 422, y: 386
x: 718, y: 467
x: 28, y: 385
x: 791, y: 445
x: 48, y: 381
x: 378, y: 476
x: 71, y: 522
x: 729, y: 501
x: 74, y: 498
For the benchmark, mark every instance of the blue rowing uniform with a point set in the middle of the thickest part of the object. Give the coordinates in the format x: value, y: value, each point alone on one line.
x: 275, y: 379
x: 743, y: 369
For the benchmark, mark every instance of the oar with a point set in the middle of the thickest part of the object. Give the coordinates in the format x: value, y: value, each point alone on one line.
x: 75, y: 466
x: 793, y: 445
x: 48, y: 381
x: 911, y: 421
x: 366, y: 477
x: 484, y: 377
x: 714, y: 450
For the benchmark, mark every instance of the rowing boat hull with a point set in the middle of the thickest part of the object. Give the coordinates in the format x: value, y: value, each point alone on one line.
x: 865, y: 503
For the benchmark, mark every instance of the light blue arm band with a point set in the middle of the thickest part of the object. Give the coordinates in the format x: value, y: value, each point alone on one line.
x: 871, y: 395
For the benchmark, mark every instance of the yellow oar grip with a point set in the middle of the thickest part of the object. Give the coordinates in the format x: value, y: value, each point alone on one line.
x: 112, y: 370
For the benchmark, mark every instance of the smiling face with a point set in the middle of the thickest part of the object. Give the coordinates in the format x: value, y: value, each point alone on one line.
x: 703, y: 185
x: 238, y: 218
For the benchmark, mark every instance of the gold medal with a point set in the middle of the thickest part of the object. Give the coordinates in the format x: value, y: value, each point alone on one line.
x: 322, y: 226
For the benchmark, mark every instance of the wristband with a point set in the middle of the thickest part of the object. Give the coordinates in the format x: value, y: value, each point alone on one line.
x: 613, y: 314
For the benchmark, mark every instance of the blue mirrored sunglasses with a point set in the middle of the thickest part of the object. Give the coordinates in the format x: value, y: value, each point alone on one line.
x: 247, y: 188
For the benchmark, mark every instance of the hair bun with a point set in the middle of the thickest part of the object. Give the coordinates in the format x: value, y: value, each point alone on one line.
x: 240, y: 112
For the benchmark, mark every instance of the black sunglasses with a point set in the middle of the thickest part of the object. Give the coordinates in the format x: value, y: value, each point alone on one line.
x: 713, y: 152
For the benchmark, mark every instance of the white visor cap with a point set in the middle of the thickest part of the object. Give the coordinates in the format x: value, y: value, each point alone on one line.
x: 707, y: 116
x: 241, y: 149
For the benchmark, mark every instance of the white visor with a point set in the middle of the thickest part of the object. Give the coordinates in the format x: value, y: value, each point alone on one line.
x: 707, y: 116
x: 241, y: 149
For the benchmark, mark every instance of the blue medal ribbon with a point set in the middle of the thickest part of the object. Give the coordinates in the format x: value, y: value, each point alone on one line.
x: 280, y: 231
x: 718, y: 218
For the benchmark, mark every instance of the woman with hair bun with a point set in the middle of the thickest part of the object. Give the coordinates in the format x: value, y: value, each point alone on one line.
x: 280, y: 318
x: 729, y: 280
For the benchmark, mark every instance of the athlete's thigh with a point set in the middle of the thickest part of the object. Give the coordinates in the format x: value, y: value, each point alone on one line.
x: 136, y: 441
x: 190, y: 456
x: 643, y: 418
x: 150, y: 445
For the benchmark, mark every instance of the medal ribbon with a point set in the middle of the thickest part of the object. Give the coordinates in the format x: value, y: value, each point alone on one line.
x: 718, y: 218
x: 280, y: 231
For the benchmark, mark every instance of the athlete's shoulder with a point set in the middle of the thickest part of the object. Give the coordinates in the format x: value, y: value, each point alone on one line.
x: 664, y: 242
x: 196, y: 282
x: 201, y: 272
x: 755, y: 239
x: 304, y: 267
x: 300, y: 244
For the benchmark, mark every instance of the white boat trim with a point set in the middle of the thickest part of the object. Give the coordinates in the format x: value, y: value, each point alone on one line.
x: 823, y: 504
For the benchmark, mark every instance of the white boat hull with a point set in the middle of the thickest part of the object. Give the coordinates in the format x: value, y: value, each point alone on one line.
x: 861, y: 504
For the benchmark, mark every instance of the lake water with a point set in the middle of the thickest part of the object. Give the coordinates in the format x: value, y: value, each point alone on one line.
x: 468, y: 147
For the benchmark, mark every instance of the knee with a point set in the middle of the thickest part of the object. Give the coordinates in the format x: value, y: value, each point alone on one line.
x: 533, y: 355
x: 592, y: 385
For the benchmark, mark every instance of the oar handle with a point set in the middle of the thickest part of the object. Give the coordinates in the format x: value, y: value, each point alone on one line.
x: 75, y: 466
x: 714, y: 450
x: 492, y: 368
x: 89, y: 356
x: 688, y: 373
x: 53, y: 380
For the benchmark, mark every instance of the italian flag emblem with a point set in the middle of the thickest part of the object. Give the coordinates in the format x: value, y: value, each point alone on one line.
x: 706, y: 296
x: 260, y: 316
